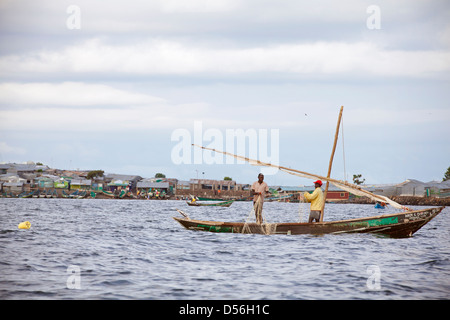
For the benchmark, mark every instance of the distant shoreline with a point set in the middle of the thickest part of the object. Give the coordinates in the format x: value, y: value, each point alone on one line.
x: 403, y: 200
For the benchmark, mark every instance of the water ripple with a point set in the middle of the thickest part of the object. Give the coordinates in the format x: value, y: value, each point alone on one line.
x: 135, y: 250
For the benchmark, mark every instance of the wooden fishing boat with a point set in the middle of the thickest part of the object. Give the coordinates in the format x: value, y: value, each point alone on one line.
x: 65, y: 194
x: 108, y: 193
x: 210, y: 199
x: 81, y: 195
x: 74, y: 194
x: 397, y: 225
x: 122, y: 194
x: 27, y: 195
x: 215, y: 204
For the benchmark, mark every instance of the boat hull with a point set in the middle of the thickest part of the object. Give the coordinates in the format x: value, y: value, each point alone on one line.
x: 218, y: 204
x: 398, y: 225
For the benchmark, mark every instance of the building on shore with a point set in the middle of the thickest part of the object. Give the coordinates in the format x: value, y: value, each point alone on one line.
x: 80, y: 184
x: 10, y: 183
x: 210, y: 188
x: 412, y: 188
x: 119, y: 181
x: 146, y: 186
x: 13, y: 187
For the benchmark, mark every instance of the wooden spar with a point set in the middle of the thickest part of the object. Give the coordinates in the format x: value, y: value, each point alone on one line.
x: 304, y: 174
x: 289, y: 170
x: 331, y: 163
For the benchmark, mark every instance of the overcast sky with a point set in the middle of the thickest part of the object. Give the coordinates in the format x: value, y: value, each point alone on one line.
x: 105, y: 85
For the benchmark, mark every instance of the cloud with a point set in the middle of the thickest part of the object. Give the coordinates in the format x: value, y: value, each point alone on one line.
x: 198, y: 6
x: 397, y: 117
x: 70, y: 94
x: 95, y: 119
x: 165, y: 57
x: 7, y: 149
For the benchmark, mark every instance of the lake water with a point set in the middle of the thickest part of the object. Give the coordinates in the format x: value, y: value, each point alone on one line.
x: 128, y: 249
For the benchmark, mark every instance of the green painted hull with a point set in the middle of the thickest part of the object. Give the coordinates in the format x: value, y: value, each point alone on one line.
x: 398, y: 225
x: 217, y: 204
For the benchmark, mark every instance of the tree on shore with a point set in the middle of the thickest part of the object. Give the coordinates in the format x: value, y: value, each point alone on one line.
x: 357, y: 179
x: 95, y: 173
x: 160, y: 175
x: 447, y: 175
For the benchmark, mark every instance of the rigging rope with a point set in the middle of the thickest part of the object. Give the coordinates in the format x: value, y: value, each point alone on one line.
x: 343, y: 149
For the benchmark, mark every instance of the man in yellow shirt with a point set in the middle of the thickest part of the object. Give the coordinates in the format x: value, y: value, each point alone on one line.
x: 317, y: 200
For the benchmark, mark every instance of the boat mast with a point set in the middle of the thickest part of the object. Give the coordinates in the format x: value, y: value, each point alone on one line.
x: 331, y: 163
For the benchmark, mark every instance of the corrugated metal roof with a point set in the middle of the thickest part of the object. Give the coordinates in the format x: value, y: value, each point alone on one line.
x: 122, y: 177
x: 145, y: 184
x: 80, y: 182
x: 13, y: 184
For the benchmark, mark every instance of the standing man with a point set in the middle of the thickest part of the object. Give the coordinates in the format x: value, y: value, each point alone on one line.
x: 258, y: 191
x: 317, y: 200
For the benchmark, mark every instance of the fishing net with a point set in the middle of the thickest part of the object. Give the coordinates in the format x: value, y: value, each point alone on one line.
x: 262, y: 228
x: 269, y: 228
x: 301, y: 208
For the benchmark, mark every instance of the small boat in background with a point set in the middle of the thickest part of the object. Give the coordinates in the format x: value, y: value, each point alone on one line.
x: 27, y: 195
x: 108, y: 193
x: 210, y: 199
x: 194, y: 203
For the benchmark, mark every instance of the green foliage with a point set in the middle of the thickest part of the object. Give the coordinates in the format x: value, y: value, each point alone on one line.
x: 95, y: 173
x: 447, y: 175
x: 357, y: 179
x: 227, y: 179
x: 160, y: 175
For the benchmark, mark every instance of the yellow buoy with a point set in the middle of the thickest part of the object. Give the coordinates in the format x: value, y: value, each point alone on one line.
x: 25, y: 225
